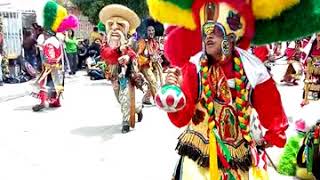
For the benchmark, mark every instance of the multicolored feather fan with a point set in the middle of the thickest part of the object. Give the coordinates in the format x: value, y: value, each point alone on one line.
x: 263, y: 21
x: 56, y: 18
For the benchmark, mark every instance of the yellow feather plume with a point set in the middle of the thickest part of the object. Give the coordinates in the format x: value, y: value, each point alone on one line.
x: 166, y: 12
x: 268, y: 9
x: 61, y: 14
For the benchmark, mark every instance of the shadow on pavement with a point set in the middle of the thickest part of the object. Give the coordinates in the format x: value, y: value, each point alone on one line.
x: 23, y: 108
x: 29, y: 108
x: 98, y: 83
x: 105, y: 132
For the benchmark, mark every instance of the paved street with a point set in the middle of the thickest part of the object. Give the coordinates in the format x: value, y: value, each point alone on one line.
x: 82, y: 139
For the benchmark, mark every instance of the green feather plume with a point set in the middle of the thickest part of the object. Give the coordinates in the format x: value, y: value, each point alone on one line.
x: 288, y: 163
x: 300, y: 21
x: 50, y: 13
x: 185, y: 4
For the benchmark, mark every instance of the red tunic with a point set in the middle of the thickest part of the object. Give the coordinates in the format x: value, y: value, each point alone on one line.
x: 111, y: 55
x: 266, y: 101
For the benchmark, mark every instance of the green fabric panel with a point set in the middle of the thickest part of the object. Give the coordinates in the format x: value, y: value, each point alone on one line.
x: 183, y: 4
x: 300, y: 21
x: 50, y: 13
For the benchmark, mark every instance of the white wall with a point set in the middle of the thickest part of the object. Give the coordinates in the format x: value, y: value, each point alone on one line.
x: 25, y: 5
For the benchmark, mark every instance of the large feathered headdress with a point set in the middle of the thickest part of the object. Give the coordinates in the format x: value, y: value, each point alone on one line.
x: 55, y: 18
x: 252, y: 21
x: 142, y: 29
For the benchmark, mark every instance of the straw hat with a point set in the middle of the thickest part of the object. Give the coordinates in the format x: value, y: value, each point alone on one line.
x: 117, y: 10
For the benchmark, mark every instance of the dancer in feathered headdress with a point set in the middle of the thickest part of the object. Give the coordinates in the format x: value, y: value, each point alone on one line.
x: 149, y: 57
x: 221, y: 81
x: 50, y: 82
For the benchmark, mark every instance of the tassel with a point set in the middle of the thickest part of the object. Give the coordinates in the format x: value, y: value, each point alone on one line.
x: 259, y: 174
x: 223, y: 147
x: 230, y: 175
x: 214, y: 173
x: 222, y: 159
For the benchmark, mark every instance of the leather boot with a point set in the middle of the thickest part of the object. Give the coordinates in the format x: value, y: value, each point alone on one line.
x: 43, y: 98
x: 38, y: 107
x: 125, y: 127
x: 140, y: 116
x: 146, y: 98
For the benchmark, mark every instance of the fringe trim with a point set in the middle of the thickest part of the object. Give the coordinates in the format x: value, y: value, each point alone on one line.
x: 241, y: 156
x: 196, y: 147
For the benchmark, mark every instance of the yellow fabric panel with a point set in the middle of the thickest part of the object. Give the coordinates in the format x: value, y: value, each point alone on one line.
x: 268, y: 9
x: 192, y: 171
x: 168, y: 13
x: 214, y: 172
x: 61, y: 14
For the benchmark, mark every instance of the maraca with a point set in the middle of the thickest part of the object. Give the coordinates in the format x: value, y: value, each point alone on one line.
x: 170, y: 98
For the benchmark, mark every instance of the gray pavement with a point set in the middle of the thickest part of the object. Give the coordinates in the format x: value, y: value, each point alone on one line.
x: 82, y: 139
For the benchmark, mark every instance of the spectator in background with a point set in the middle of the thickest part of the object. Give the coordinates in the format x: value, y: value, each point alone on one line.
x: 95, y: 35
x: 37, y: 30
x: 83, y: 47
x: 30, y: 50
x: 72, y: 51
x: 38, y: 35
x: 94, y: 49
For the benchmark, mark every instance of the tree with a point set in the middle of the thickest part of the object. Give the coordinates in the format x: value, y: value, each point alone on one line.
x: 92, y: 8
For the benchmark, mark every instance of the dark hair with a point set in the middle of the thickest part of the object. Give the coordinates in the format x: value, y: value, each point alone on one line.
x: 95, y: 29
x: 72, y: 33
x: 28, y: 33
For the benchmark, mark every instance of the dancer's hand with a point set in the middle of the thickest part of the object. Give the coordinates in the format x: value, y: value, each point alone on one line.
x: 123, y: 48
x: 174, y: 76
x: 266, y: 145
x: 124, y: 59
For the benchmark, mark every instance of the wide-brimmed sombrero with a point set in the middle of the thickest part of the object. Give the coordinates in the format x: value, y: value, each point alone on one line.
x: 117, y: 10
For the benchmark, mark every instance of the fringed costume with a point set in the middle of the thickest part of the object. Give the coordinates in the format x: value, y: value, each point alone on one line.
x: 149, y: 57
x: 50, y: 82
x: 120, y: 21
x: 312, y: 79
x: 218, y: 97
x: 295, y: 55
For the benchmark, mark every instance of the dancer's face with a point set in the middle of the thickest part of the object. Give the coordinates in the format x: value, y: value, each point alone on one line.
x: 213, y: 42
x: 117, y: 29
x: 151, y: 32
